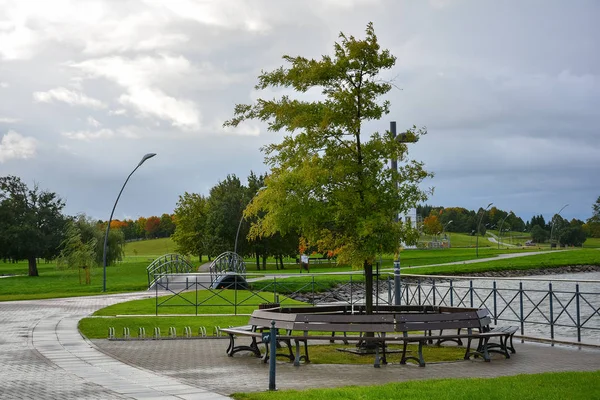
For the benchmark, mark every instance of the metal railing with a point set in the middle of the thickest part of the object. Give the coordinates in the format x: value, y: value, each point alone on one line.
x: 167, y: 264
x: 554, y: 309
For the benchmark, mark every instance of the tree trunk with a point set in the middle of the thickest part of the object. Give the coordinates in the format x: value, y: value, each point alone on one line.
x: 264, y: 262
x: 32, y: 266
x: 257, y: 261
x: 281, y: 261
x: 364, y: 345
x: 200, y: 257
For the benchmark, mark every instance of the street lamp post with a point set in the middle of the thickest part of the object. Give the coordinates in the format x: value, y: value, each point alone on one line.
x: 242, y: 219
x: 147, y: 156
x: 554, y: 223
x: 477, y: 233
x: 500, y: 230
x: 444, y: 229
x: 397, y: 283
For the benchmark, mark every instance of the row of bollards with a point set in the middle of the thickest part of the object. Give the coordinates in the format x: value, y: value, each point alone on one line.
x: 268, y: 337
x: 187, y: 333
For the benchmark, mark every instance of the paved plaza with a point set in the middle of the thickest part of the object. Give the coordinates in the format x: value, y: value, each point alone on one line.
x: 42, y: 356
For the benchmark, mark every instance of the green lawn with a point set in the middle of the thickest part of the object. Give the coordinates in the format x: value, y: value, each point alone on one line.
x: 210, y: 302
x: 592, y: 242
x: 583, y: 256
x: 549, y: 386
x: 130, y: 275
x: 97, y: 328
x: 52, y: 282
x: 151, y: 248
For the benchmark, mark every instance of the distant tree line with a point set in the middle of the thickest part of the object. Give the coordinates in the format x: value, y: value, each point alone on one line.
x: 33, y: 227
x: 457, y: 219
x: 462, y: 220
x: 145, y: 227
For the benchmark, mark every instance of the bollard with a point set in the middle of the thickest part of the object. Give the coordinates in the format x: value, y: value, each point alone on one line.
x: 156, y: 332
x: 126, y: 334
x: 111, y: 333
x: 202, y: 331
x: 397, y: 287
x: 142, y: 333
x: 172, y: 332
x: 273, y: 356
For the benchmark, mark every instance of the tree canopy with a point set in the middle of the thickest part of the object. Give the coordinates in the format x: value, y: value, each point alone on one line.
x: 190, y: 230
x: 31, y: 222
x: 328, y: 179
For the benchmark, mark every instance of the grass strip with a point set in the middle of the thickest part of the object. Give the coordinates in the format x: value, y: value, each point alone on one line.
x: 548, y: 386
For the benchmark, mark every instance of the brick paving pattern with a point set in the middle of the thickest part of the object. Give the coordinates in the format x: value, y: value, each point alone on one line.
x: 204, y: 362
x: 42, y: 356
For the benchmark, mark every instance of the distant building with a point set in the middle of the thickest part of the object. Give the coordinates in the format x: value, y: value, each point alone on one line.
x: 411, y: 218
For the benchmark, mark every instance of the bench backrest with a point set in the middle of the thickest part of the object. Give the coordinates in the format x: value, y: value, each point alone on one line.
x: 336, y: 319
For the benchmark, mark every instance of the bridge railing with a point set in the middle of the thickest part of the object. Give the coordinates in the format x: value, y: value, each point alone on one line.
x: 167, y: 264
x: 227, y: 263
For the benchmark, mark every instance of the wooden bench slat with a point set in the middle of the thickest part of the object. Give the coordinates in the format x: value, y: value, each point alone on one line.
x: 341, y: 318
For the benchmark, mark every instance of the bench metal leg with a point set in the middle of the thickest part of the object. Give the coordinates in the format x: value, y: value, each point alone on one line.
x: 503, y: 343
x: 231, y: 345
x: 232, y: 348
x: 486, y: 355
x: 289, y: 355
x: 480, y: 351
x: 418, y: 359
x: 512, y: 348
x: 421, y: 359
x: 404, y: 347
x: 297, y: 359
x: 468, y: 349
x: 306, y: 359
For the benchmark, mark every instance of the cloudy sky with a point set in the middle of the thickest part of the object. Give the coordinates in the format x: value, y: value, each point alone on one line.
x: 509, y: 91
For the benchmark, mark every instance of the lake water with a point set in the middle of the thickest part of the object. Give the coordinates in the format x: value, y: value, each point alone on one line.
x: 543, y: 299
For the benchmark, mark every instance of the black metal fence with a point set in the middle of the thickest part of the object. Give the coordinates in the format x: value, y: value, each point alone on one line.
x: 554, y: 309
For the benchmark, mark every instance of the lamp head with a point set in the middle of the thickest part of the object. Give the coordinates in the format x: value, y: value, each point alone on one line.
x: 147, y: 156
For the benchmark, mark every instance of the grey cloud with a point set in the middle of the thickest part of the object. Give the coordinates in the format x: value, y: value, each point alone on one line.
x: 508, y: 90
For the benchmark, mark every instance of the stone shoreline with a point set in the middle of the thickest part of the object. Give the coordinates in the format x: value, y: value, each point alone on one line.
x: 346, y: 292
x: 569, y: 269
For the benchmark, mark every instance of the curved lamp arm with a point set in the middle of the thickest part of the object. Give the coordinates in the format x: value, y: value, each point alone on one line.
x: 147, y: 156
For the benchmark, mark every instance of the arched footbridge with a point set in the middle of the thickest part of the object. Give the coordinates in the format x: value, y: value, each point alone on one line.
x: 175, y: 272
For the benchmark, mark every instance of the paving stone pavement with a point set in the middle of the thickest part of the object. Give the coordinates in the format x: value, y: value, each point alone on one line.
x: 204, y: 361
x: 42, y: 356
